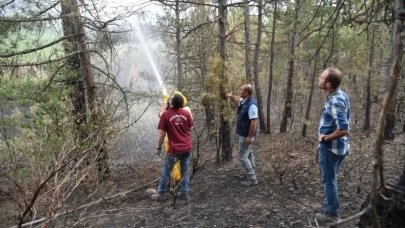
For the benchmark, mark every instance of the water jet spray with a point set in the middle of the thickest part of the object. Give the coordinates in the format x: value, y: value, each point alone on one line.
x: 141, y: 38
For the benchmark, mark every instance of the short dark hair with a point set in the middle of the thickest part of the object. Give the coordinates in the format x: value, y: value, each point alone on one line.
x: 334, y: 77
x: 177, y: 101
x: 249, y: 89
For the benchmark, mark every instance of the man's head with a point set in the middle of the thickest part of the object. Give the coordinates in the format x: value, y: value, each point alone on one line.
x: 177, y: 101
x: 246, y: 90
x: 184, y: 98
x: 330, y: 79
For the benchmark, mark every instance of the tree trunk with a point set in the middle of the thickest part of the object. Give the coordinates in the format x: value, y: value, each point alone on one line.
x: 178, y: 47
x: 209, y: 109
x: 72, y: 24
x: 390, y: 121
x: 289, y: 93
x: 403, y: 128
x: 273, y: 31
x: 385, y: 210
x: 366, y: 126
x: 308, y: 111
x: 256, y: 69
x: 78, y: 95
x: 246, y: 13
x: 225, y: 133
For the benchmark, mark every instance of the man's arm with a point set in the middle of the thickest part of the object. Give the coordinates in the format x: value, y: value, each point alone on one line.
x: 339, y: 115
x: 334, y: 135
x: 234, y: 97
x: 162, y: 109
x: 190, y: 123
x: 163, y: 105
x: 161, y: 138
x: 253, y: 124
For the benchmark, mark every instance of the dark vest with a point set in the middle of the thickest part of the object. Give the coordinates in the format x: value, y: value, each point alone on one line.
x: 243, y: 122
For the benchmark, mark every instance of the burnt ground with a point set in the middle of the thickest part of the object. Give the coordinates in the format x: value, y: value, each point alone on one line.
x: 217, y: 200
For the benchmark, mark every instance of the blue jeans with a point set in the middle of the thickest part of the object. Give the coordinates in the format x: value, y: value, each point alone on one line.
x: 330, y: 163
x: 246, y: 158
x: 184, y: 170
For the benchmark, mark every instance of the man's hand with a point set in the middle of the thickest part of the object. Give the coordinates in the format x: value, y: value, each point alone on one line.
x: 158, y: 151
x: 228, y: 94
x: 165, y: 97
x: 249, y: 140
x: 320, y: 138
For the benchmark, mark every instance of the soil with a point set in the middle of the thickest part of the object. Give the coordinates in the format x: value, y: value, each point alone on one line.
x: 217, y: 200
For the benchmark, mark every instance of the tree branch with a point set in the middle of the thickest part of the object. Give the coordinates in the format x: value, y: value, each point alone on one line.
x: 312, y: 19
x: 47, y: 9
x: 37, y: 48
x: 30, y: 19
x: 364, y: 211
x: 53, y: 76
x: 40, y: 63
x: 198, y: 27
x: 7, y: 3
x: 196, y: 3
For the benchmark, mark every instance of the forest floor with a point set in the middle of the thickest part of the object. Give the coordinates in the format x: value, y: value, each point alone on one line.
x: 217, y: 200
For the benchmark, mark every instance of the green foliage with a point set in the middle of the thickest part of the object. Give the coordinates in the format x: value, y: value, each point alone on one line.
x: 32, y: 123
x: 18, y: 37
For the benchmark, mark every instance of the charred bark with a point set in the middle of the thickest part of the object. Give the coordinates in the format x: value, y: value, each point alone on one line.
x: 178, y: 47
x: 287, y: 113
x: 225, y: 133
x: 273, y: 31
x: 78, y: 96
x: 248, y: 44
x: 388, y: 202
x: 72, y: 25
x: 256, y: 69
x: 366, y: 126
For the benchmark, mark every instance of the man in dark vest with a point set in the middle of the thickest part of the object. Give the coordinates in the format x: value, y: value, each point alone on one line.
x: 246, y: 130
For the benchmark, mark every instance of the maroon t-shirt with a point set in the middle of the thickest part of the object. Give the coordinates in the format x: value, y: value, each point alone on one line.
x: 177, y: 123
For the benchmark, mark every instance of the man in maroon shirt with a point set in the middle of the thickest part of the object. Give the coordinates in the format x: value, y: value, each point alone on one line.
x: 177, y: 123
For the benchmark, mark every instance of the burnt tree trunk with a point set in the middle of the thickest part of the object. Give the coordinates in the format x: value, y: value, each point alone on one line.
x: 387, y: 211
x: 366, y: 126
x: 271, y: 66
x: 76, y: 79
x: 308, y: 110
x: 256, y: 69
x: 403, y: 128
x: 209, y: 109
x: 178, y: 47
x: 225, y: 130
x: 72, y: 25
x: 390, y: 122
x: 248, y: 45
x: 287, y: 113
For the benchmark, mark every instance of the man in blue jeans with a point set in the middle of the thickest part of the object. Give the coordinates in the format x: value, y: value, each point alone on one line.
x: 333, y: 140
x: 246, y: 130
x: 177, y: 123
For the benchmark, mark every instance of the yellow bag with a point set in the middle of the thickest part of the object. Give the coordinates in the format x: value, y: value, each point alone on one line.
x: 175, y: 173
